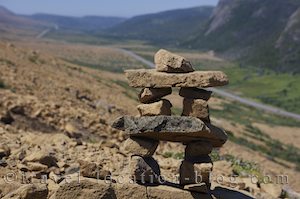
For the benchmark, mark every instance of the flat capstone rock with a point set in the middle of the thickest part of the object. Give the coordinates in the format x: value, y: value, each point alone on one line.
x: 171, y: 128
x: 150, y: 78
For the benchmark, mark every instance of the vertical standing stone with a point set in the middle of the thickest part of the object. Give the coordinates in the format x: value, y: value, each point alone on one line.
x: 149, y: 95
x: 195, y: 171
x: 196, y: 108
x: 162, y: 107
x: 140, y: 146
x: 197, y: 149
x: 195, y: 93
x: 144, y: 170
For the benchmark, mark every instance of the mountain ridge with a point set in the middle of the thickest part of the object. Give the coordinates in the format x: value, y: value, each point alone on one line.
x: 85, y: 23
x: 249, y: 32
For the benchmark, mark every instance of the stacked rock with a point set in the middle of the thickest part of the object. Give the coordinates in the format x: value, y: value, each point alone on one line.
x: 155, y: 122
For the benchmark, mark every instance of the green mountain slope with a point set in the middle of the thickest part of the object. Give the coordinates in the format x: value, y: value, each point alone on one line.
x: 249, y: 30
x: 164, y: 27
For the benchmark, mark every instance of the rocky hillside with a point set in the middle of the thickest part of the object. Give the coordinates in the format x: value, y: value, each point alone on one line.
x: 289, y: 41
x: 55, y: 120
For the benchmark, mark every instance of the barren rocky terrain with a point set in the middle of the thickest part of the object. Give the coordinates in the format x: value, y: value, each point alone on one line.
x: 55, y: 120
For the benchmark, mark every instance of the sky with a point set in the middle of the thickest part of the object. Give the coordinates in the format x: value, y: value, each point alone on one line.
x: 121, y: 8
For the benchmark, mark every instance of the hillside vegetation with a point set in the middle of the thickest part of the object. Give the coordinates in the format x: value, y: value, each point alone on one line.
x: 164, y: 27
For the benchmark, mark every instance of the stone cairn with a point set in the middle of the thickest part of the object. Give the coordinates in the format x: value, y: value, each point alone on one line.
x: 155, y: 123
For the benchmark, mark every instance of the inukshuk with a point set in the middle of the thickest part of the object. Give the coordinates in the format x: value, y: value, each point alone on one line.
x: 192, y: 128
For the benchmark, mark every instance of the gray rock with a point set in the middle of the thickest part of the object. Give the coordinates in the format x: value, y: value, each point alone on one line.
x: 152, y: 79
x: 171, y: 128
x: 166, y: 61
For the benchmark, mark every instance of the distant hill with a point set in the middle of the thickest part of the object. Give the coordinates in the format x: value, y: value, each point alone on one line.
x: 163, y: 27
x: 8, y: 18
x: 87, y: 23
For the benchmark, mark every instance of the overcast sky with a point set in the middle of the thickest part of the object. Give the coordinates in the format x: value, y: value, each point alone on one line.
x: 124, y: 8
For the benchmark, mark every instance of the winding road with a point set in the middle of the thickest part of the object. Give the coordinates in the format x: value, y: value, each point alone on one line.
x: 226, y: 94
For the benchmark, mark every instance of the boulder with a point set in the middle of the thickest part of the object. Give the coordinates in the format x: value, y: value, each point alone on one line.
x: 5, y: 187
x: 140, y: 146
x: 85, y: 189
x: 149, y: 95
x: 93, y: 170
x: 166, y: 61
x: 162, y: 107
x: 144, y: 170
x: 101, y: 190
x: 42, y: 156
x: 196, y: 108
x: 130, y: 190
x: 274, y: 190
x: 195, y: 93
x: 171, y: 128
x: 29, y: 191
x: 152, y: 79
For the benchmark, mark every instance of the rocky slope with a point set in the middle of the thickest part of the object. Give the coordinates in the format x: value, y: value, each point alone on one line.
x: 55, y: 120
